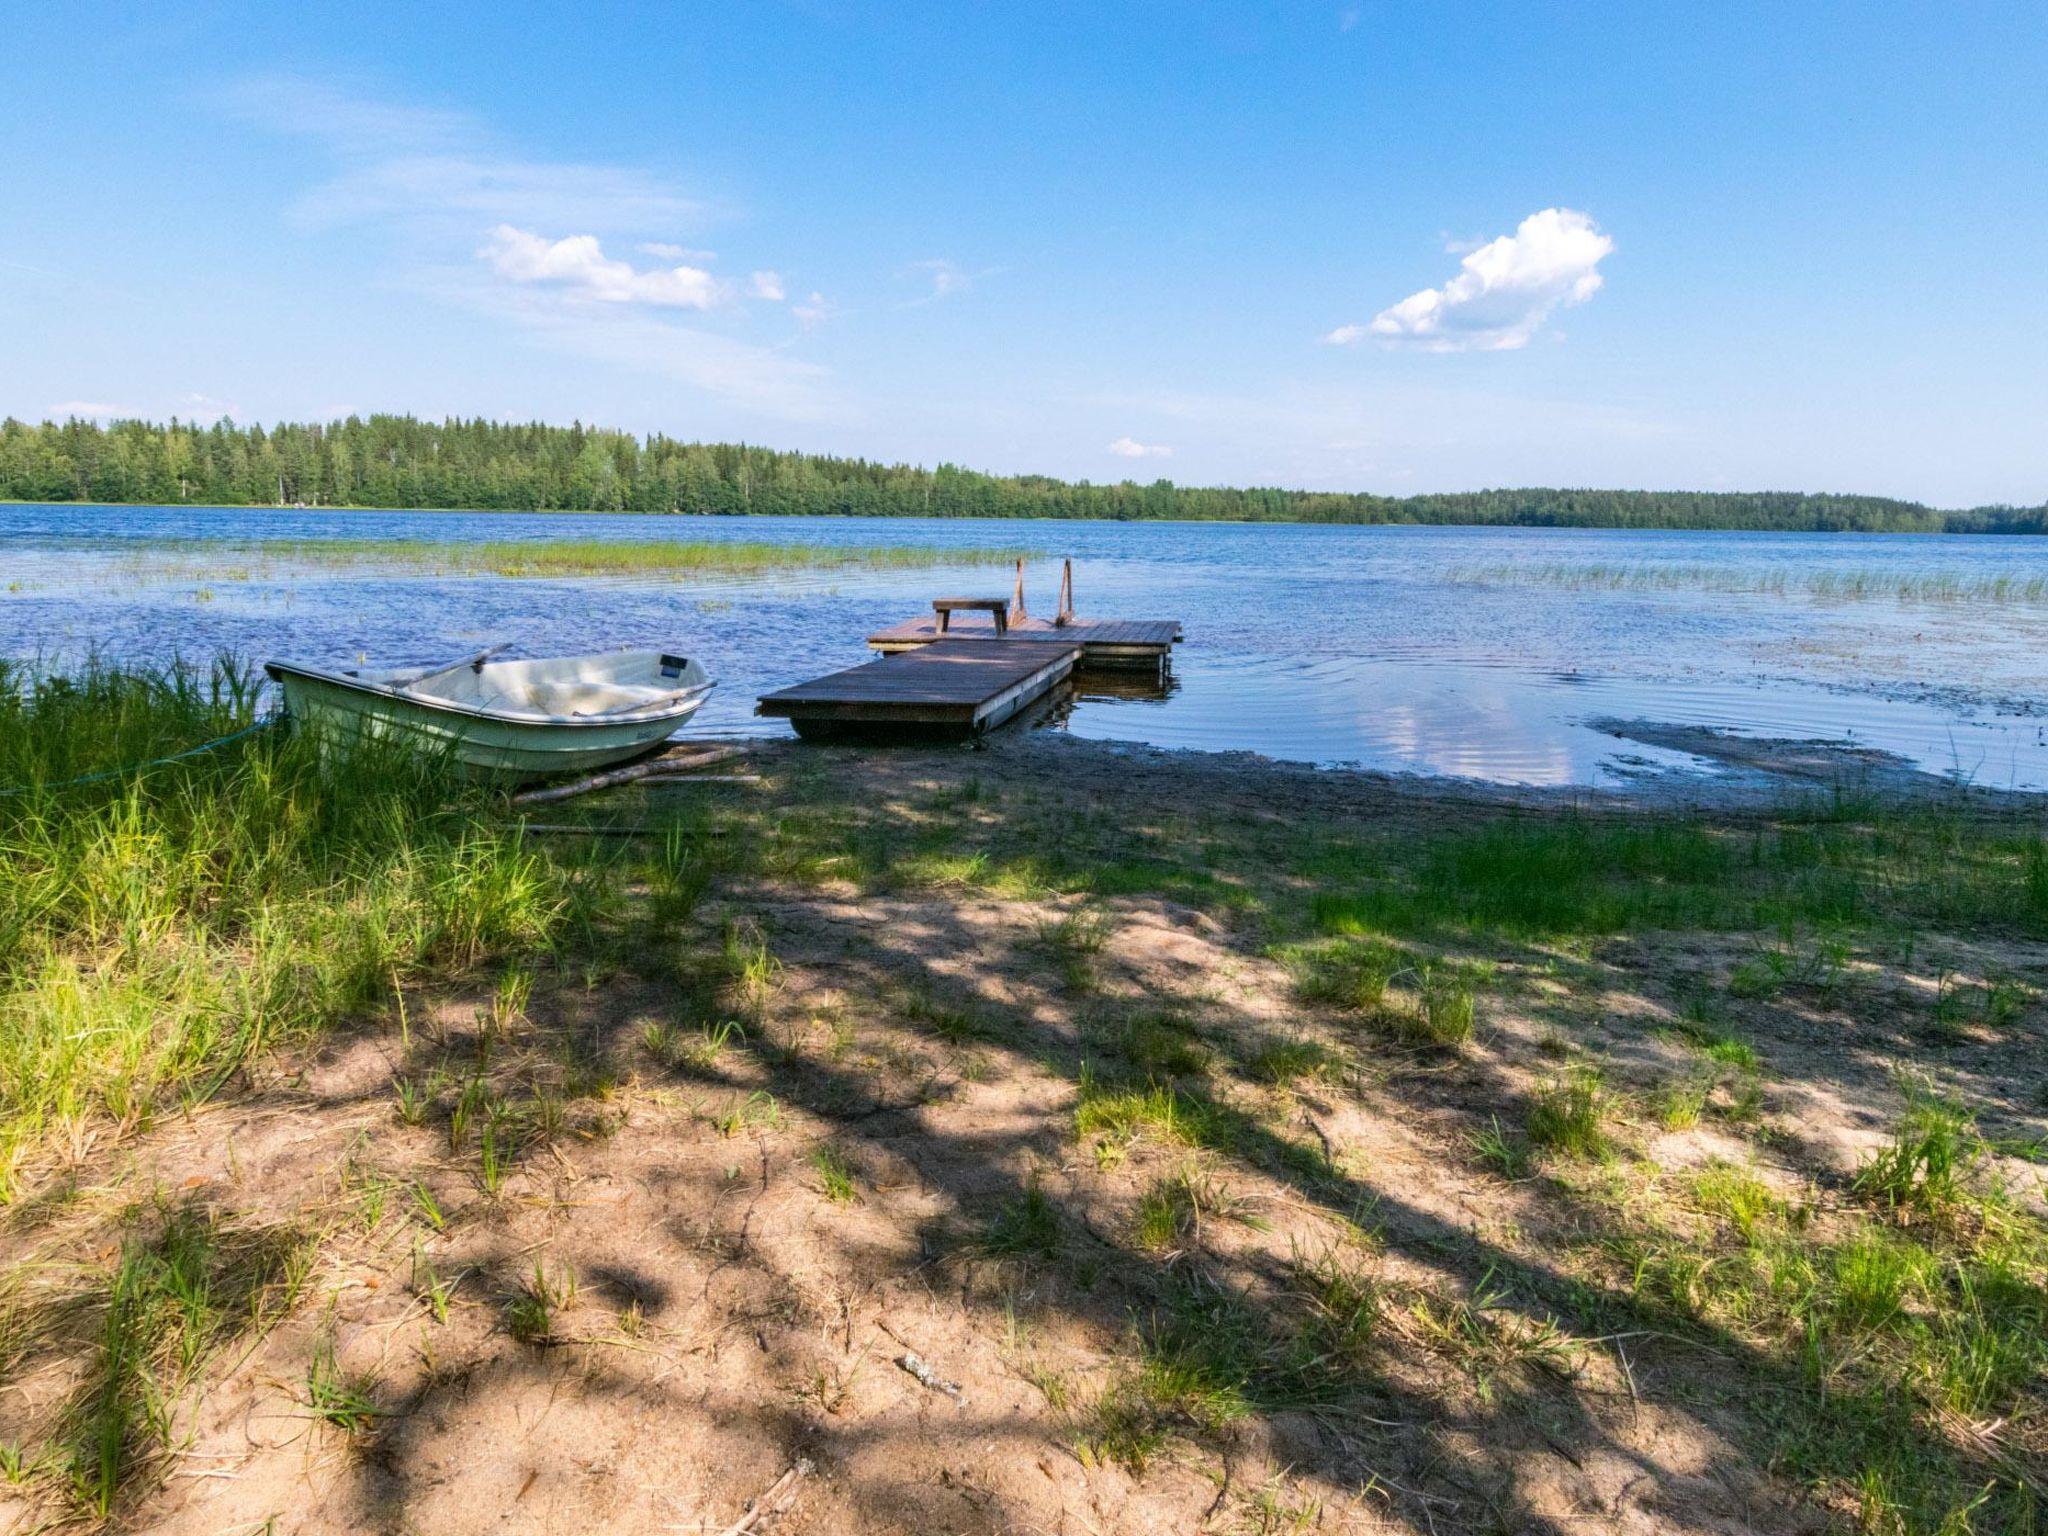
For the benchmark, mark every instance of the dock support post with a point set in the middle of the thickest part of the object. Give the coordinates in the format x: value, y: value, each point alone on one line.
x: 1017, y: 601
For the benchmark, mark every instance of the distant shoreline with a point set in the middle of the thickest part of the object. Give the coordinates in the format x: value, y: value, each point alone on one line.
x: 404, y: 463
x: 969, y: 517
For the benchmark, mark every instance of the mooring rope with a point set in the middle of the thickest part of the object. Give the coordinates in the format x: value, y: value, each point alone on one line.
x: 155, y: 762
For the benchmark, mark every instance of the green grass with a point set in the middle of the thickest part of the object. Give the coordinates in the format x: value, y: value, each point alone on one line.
x: 337, y: 1398
x: 533, y: 1307
x: 158, y: 928
x: 837, y: 1176
x: 1568, y: 1114
x: 186, y: 1283
x: 1027, y: 1227
x: 1932, y: 1152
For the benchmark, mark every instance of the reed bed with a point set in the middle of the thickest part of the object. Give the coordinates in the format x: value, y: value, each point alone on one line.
x: 1829, y: 586
x: 158, y: 927
x: 560, y: 558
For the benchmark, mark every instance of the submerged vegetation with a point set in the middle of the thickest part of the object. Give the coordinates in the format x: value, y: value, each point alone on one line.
x: 1474, y: 1157
x: 399, y: 461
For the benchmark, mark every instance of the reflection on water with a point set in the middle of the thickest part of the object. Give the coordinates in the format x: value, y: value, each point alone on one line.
x: 1360, y: 645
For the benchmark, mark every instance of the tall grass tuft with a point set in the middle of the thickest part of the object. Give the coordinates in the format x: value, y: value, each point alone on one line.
x: 159, y: 926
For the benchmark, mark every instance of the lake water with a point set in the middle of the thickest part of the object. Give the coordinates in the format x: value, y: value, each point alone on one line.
x: 1490, y: 653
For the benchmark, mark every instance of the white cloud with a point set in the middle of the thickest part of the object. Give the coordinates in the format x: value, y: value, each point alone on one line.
x: 90, y: 410
x: 766, y: 285
x: 815, y: 310
x: 663, y: 251
x: 203, y: 410
x: 462, y: 214
x: 1131, y: 448
x: 1503, y: 293
x: 578, y: 265
x: 947, y: 278
x: 649, y: 341
x: 426, y: 164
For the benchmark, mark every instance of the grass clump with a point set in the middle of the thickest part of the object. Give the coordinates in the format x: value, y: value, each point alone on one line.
x: 1569, y: 1112
x: 1925, y: 1169
x: 837, y: 1177
x: 188, y: 1282
x: 1025, y: 1228
x: 531, y: 1310
x: 1121, y: 1113
x: 337, y: 1398
x: 1170, y: 1213
x: 160, y: 926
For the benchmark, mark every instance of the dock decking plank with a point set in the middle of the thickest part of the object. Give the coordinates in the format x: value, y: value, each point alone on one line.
x: 1154, y: 634
x: 966, y: 683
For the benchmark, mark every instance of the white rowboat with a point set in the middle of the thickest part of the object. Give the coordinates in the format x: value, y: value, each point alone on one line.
x: 563, y: 714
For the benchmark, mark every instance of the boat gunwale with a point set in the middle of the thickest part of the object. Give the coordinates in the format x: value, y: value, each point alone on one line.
x: 685, y: 703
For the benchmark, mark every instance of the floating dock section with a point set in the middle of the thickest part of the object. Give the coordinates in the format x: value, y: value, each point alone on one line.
x: 1103, y: 642
x: 950, y: 688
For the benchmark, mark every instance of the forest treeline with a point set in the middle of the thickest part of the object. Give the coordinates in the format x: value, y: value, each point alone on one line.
x: 400, y: 461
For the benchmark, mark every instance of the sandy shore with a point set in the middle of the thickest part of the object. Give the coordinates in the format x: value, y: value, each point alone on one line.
x: 1078, y: 1138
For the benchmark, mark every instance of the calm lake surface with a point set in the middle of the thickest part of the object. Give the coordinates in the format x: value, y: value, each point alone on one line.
x: 1485, y: 653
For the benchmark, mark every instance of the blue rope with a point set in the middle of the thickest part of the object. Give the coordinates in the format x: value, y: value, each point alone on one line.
x: 155, y: 762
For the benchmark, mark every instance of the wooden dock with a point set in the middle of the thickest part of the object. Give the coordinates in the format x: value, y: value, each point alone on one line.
x: 1103, y: 642
x: 951, y: 687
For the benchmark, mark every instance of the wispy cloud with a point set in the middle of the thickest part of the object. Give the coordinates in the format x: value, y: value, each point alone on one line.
x: 474, y: 222
x: 1503, y: 293
x: 404, y: 162
x: 577, y: 264
x: 767, y: 285
x: 201, y: 410
x: 647, y: 341
x: 946, y: 278
x: 1131, y: 448
x: 90, y: 410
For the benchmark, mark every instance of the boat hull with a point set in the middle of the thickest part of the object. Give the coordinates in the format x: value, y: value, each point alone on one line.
x: 480, y: 742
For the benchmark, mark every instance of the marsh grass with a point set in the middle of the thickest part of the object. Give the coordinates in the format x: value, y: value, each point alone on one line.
x: 1828, y: 586
x: 157, y: 928
x: 557, y: 558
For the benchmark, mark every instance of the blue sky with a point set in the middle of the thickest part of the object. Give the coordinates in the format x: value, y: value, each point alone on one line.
x: 1355, y: 246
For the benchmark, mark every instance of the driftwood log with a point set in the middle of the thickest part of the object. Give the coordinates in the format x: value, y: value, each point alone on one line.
x: 667, y: 763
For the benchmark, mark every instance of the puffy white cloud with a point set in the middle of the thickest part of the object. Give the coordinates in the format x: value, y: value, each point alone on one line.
x: 766, y: 285
x: 667, y: 252
x: 1131, y: 448
x: 578, y: 264
x: 1504, y: 290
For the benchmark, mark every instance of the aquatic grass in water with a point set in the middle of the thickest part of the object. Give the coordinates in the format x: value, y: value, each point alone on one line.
x: 558, y: 558
x: 158, y: 927
x: 1827, y: 586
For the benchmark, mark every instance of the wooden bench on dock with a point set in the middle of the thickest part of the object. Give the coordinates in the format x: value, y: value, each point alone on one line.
x: 997, y: 607
x: 1125, y: 643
